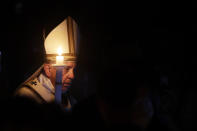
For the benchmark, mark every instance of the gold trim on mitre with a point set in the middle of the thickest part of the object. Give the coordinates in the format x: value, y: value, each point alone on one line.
x: 64, y: 36
x: 51, y: 58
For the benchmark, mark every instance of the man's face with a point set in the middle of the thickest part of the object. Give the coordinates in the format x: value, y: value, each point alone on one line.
x: 67, y: 76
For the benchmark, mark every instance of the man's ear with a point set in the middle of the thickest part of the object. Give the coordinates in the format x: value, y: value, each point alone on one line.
x: 50, y: 73
x: 47, y: 70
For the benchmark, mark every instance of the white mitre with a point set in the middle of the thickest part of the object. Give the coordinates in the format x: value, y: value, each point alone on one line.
x: 65, y: 37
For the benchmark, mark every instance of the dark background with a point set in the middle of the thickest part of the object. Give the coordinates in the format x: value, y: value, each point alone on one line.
x: 161, y: 33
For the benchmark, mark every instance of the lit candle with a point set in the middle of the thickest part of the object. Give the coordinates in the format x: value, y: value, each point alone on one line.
x: 59, y: 67
x: 59, y: 59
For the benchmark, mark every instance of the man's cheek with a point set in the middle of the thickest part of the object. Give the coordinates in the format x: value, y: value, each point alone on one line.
x: 53, y: 72
x: 63, y: 79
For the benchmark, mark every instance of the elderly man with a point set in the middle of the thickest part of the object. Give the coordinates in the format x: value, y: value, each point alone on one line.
x: 42, y: 85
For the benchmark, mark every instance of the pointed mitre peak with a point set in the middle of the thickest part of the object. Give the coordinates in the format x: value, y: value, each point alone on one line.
x: 64, y: 37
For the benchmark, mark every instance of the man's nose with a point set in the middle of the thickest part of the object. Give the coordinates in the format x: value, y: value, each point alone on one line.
x: 71, y: 74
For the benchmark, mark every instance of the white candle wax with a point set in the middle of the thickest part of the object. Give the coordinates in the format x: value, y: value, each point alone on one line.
x: 59, y: 60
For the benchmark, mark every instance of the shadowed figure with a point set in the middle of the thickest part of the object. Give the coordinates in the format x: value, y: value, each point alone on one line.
x: 114, y: 53
x: 124, y: 96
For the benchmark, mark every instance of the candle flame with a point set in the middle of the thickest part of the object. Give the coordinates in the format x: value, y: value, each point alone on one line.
x: 59, y: 51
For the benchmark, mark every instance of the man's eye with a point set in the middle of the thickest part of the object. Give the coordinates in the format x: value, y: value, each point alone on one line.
x: 67, y: 68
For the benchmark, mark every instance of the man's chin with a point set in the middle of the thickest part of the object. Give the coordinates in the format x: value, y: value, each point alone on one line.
x: 65, y: 89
